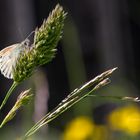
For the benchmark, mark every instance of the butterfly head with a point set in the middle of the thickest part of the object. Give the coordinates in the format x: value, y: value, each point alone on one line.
x: 25, y: 43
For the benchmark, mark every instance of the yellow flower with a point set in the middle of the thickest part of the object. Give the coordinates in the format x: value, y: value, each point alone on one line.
x: 126, y: 119
x: 80, y: 128
x: 83, y: 128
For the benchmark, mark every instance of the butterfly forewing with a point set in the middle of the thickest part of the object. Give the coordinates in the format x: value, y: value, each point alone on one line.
x: 6, y: 68
x: 6, y: 60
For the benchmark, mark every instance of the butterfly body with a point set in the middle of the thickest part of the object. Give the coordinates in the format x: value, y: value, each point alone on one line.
x: 9, y: 56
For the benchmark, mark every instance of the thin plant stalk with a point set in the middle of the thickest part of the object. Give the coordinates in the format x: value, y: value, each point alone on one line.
x: 14, y: 85
x: 63, y: 108
x: 74, y: 97
x: 126, y: 98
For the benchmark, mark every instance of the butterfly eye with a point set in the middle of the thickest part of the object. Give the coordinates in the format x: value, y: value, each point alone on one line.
x: 26, y: 42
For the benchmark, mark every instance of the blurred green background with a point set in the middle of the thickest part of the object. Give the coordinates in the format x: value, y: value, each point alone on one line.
x: 98, y: 35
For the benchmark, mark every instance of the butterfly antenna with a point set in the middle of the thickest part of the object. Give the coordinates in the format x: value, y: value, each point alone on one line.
x: 29, y: 35
x: 20, y: 31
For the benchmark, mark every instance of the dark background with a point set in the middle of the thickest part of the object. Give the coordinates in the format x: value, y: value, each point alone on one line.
x: 98, y: 35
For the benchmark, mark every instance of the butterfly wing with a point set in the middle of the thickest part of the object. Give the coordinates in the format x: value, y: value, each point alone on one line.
x: 9, y: 56
x: 7, y: 60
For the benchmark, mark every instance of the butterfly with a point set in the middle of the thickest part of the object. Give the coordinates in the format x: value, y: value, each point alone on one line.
x: 9, y: 56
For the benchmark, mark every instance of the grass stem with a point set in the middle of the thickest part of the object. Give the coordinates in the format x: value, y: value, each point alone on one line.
x: 14, y: 85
